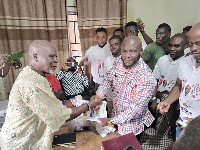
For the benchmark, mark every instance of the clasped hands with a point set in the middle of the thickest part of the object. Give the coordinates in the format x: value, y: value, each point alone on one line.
x: 95, y: 103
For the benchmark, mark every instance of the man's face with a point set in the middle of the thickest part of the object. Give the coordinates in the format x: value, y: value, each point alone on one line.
x: 162, y: 36
x: 115, y: 47
x: 176, y: 47
x: 131, y: 30
x: 101, y: 38
x: 72, y: 68
x: 194, y: 43
x: 130, y: 54
x: 121, y: 34
x: 48, y: 60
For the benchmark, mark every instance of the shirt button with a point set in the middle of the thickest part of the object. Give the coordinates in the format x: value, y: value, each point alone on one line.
x: 117, y: 91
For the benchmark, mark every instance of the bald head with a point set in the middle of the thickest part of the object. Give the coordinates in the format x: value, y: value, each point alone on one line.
x: 132, y: 41
x: 42, y: 56
x: 194, y: 41
x: 130, y: 52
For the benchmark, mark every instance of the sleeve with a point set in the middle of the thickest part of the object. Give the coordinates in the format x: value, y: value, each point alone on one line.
x: 143, y: 93
x: 156, y: 70
x: 45, y: 105
x: 88, y: 54
x: 85, y: 81
x: 147, y: 53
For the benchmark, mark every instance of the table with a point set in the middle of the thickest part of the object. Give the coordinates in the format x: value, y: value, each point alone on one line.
x: 84, y: 140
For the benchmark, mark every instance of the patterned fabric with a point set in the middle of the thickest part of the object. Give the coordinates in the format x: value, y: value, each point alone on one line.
x: 72, y: 82
x: 152, y: 53
x: 23, y: 21
x: 33, y: 114
x: 190, y: 92
x: 151, y: 140
x: 132, y: 90
x: 167, y: 77
x: 94, y: 14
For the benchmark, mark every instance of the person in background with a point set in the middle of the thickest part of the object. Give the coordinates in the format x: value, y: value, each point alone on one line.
x: 133, y: 84
x: 185, y: 32
x: 115, y: 47
x: 96, y: 56
x: 73, y: 82
x: 188, y: 83
x: 131, y: 28
x: 166, y: 79
x: 34, y: 113
x: 5, y: 63
x: 157, y: 49
x: 119, y: 32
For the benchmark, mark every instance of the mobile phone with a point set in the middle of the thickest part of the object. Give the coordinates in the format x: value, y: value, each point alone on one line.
x: 72, y: 64
x: 82, y: 128
x: 130, y: 148
x: 181, y: 123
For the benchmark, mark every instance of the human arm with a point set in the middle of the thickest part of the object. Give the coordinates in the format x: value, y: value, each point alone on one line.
x: 4, y: 61
x: 84, y: 78
x: 147, y: 53
x: 173, y: 96
x: 43, y: 103
x: 147, y: 39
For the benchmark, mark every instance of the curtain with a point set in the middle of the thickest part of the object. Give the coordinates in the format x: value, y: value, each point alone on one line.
x: 110, y: 14
x: 23, y: 21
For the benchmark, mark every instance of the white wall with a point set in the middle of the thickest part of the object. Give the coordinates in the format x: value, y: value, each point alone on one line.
x: 177, y: 13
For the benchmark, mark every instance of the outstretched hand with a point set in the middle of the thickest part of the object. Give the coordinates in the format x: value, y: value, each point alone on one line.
x: 163, y: 107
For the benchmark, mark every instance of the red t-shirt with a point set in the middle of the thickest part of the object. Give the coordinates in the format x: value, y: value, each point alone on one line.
x: 55, y: 84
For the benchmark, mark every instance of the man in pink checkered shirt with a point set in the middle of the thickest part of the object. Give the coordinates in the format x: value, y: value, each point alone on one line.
x: 133, y: 84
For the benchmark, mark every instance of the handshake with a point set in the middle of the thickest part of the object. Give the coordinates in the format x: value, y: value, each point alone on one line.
x: 95, y: 102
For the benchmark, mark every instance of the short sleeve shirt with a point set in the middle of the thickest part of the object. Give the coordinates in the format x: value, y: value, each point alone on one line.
x: 166, y: 71
x: 152, y: 53
x: 96, y: 55
x: 190, y: 92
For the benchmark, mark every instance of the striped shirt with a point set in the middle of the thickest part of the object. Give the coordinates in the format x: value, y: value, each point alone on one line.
x: 132, y: 90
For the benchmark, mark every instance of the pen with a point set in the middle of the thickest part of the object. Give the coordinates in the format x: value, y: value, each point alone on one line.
x: 69, y: 146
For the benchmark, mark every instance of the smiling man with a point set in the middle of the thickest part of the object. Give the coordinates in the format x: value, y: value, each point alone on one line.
x: 96, y: 56
x: 133, y: 84
x: 34, y: 113
x: 155, y: 50
x: 188, y: 78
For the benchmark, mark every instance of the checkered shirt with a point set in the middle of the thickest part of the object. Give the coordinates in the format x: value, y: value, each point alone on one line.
x: 72, y: 82
x: 132, y: 90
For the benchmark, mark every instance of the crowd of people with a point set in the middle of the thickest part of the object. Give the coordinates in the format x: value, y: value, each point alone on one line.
x: 146, y: 85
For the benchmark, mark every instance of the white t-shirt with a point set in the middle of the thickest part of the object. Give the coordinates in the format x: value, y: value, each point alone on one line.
x: 166, y: 71
x: 187, y: 50
x: 109, y: 63
x: 96, y: 55
x: 190, y: 92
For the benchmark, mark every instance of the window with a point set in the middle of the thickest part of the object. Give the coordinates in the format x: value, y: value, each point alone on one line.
x: 74, y: 33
